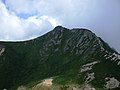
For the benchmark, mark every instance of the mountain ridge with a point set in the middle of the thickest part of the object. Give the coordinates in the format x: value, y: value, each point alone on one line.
x: 73, y: 55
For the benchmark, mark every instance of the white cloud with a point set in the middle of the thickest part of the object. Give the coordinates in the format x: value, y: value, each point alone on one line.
x: 53, y: 21
x: 13, y: 27
x: 8, y: 23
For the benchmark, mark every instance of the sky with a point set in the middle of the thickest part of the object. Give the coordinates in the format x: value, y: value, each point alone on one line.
x: 26, y: 19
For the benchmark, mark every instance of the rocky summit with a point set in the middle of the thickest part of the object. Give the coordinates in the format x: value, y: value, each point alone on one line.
x: 62, y: 59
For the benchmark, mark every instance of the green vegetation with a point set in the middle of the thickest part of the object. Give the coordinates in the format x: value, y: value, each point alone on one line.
x: 59, y: 54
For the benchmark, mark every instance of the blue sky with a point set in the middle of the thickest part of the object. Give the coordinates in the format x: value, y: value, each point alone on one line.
x: 27, y: 19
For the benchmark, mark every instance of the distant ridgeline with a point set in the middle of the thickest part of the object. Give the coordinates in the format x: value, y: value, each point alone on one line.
x: 74, y: 58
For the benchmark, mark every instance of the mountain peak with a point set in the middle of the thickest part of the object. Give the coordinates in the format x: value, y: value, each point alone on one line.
x: 75, y: 56
x: 59, y: 27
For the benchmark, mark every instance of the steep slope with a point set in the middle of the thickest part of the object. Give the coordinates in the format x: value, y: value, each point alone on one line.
x: 74, y: 56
